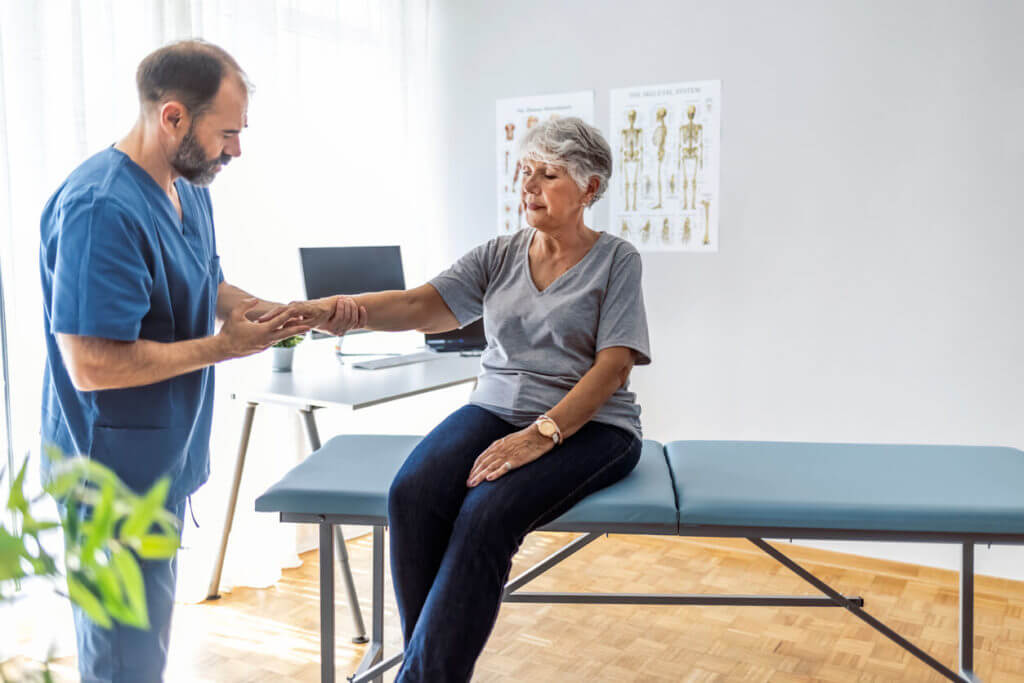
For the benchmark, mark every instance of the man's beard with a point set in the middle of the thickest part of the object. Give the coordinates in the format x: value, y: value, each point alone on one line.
x: 190, y: 161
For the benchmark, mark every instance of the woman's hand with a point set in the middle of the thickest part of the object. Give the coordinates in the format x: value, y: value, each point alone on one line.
x: 504, y: 455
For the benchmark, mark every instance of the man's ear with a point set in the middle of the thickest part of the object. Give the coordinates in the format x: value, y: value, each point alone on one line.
x: 174, y: 117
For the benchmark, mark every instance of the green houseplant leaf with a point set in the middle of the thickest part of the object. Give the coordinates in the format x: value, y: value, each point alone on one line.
x: 289, y: 343
x: 107, y: 529
x: 85, y: 599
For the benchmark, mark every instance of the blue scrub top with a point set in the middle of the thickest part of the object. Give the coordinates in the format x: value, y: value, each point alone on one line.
x: 117, y: 262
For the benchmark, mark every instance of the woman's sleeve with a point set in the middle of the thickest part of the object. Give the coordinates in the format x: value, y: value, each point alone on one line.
x: 463, y: 285
x: 623, y: 320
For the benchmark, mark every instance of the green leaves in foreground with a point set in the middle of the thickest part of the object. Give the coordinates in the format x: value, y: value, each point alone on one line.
x: 107, y: 529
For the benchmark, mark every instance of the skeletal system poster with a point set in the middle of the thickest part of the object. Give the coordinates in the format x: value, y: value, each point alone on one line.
x: 514, y: 117
x: 664, y: 193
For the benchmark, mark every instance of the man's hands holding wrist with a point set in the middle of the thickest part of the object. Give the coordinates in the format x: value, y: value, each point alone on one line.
x: 346, y: 315
x: 333, y: 314
x: 240, y: 336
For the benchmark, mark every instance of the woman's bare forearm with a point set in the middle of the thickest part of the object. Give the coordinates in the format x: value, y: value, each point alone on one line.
x: 604, y: 378
x: 420, y: 309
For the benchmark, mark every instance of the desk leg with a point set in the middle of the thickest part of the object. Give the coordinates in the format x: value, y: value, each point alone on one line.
x: 346, y: 571
x: 212, y: 593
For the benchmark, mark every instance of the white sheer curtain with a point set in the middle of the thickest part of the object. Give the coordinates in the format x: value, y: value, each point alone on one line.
x: 333, y: 156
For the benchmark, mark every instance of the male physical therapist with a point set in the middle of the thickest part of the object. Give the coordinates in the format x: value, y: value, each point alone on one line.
x: 132, y: 288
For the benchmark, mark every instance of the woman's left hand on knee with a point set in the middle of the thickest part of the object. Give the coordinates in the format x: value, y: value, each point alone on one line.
x: 504, y: 455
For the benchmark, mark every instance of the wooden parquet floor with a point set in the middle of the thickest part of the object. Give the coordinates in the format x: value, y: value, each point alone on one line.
x: 272, y: 634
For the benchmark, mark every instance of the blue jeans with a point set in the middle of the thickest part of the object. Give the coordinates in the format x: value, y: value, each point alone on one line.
x: 452, y: 546
x: 124, y: 654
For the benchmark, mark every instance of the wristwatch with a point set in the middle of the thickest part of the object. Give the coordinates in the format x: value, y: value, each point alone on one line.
x: 548, y: 428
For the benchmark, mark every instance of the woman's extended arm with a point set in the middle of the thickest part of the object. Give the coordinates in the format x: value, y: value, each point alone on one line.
x: 420, y: 309
x: 609, y: 372
x: 395, y: 310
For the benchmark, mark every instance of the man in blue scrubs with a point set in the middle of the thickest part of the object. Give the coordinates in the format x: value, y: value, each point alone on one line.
x: 132, y: 290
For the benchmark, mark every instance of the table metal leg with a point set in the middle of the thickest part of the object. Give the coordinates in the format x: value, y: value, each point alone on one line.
x: 967, y: 611
x: 213, y: 592
x: 377, y: 621
x: 326, y: 603
x: 313, y: 434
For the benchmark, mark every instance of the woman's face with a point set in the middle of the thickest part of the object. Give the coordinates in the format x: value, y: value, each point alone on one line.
x: 550, y: 196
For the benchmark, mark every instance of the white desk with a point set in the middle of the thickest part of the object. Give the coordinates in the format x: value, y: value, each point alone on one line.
x: 318, y: 380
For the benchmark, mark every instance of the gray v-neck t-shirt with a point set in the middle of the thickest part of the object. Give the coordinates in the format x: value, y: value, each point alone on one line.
x: 541, y: 343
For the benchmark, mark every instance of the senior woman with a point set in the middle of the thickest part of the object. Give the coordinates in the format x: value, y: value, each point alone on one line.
x: 551, y: 419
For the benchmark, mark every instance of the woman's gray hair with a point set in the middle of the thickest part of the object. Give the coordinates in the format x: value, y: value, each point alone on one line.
x: 572, y: 143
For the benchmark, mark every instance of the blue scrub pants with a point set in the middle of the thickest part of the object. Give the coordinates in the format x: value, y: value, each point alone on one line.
x: 124, y: 654
x: 452, y: 546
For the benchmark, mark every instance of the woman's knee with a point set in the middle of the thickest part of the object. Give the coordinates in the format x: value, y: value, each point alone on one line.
x: 403, y: 494
x: 485, y: 526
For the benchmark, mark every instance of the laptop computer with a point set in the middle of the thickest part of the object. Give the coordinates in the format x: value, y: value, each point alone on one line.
x: 467, y: 339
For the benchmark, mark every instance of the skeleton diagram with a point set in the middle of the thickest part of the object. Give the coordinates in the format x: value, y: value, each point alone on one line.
x: 659, y: 137
x: 707, y: 221
x: 691, y: 155
x: 631, y: 150
x: 510, y: 132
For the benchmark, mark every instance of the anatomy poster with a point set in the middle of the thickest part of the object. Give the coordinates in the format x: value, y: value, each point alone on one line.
x: 664, y: 192
x: 514, y: 117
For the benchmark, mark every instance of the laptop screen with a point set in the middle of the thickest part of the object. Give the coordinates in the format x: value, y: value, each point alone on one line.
x: 469, y: 338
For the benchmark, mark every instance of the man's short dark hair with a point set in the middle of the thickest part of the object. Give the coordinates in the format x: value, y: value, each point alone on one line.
x: 189, y: 71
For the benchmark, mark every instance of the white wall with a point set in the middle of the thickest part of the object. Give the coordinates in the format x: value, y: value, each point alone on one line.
x: 867, y: 287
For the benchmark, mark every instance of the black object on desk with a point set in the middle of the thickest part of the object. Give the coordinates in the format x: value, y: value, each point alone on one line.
x: 468, y: 338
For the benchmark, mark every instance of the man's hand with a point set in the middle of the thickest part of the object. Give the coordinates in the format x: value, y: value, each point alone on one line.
x: 504, y: 455
x: 240, y: 336
x: 347, y: 315
x: 333, y: 314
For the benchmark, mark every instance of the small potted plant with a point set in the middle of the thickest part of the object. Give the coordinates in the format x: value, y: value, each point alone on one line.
x: 283, y: 352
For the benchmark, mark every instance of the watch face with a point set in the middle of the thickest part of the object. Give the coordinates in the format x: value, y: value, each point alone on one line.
x: 546, y: 428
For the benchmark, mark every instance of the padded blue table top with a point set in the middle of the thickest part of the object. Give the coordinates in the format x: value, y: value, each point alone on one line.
x: 952, y: 489
x: 351, y: 474
x: 958, y: 489
x: 643, y: 502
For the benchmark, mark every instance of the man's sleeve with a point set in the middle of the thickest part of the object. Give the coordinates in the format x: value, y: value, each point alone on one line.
x: 102, y: 280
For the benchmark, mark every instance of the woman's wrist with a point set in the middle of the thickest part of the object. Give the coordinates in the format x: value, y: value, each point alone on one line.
x: 543, y: 442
